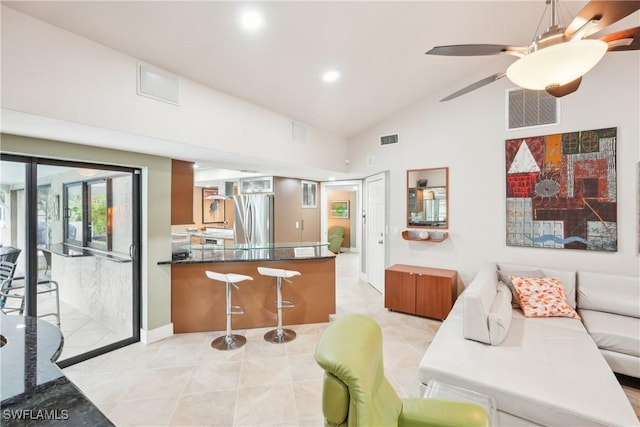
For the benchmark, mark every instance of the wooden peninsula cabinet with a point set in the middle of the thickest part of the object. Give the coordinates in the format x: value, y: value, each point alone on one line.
x: 423, y: 291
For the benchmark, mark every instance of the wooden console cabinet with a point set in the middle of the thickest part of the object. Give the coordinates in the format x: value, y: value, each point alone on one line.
x: 423, y: 291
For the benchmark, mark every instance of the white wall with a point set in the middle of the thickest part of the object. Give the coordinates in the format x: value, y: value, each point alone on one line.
x: 468, y: 135
x: 53, y: 73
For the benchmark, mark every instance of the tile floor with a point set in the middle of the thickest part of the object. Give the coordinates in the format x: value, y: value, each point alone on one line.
x: 183, y: 381
x: 81, y: 332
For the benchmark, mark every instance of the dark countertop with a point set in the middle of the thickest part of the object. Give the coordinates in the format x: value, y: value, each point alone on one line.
x: 71, y: 251
x: 243, y: 253
x: 34, y: 391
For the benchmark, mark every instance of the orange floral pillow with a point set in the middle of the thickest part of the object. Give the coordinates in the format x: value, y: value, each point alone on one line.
x: 542, y: 297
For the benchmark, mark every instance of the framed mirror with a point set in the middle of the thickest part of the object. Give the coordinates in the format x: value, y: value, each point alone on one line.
x: 428, y: 198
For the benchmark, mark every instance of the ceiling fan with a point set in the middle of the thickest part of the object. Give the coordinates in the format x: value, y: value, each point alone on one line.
x: 557, y: 59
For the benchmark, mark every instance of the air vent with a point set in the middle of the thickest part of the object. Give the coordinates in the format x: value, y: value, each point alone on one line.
x: 157, y: 84
x: 389, y: 139
x: 298, y: 132
x: 530, y: 108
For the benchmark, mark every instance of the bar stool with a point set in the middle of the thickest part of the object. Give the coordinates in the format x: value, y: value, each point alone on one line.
x: 229, y: 341
x: 279, y: 335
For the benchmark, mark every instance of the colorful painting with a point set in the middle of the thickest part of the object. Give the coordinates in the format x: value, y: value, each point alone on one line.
x: 561, y: 191
x: 340, y: 209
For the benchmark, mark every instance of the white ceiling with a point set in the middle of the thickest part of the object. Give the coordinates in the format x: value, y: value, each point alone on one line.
x: 377, y: 46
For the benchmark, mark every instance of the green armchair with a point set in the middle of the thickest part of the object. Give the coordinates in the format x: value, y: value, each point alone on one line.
x: 335, y: 236
x: 355, y: 391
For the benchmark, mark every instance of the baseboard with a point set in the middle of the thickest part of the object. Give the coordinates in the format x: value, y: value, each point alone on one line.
x: 156, y: 334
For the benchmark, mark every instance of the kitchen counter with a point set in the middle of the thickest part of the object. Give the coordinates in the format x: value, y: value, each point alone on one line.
x: 34, y: 391
x: 71, y: 251
x: 198, y: 303
x: 229, y: 252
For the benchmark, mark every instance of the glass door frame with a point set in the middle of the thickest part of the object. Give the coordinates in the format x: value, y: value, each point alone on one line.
x: 31, y: 246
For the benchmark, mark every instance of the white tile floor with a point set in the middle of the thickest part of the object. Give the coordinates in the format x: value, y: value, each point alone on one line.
x: 183, y: 381
x: 81, y: 332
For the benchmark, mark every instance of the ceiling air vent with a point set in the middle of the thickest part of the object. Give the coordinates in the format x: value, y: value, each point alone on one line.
x: 389, y: 139
x: 530, y: 108
x: 158, y: 84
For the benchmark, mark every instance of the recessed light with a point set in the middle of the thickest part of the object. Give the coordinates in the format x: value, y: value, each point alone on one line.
x: 331, y: 76
x: 252, y: 20
x: 332, y: 178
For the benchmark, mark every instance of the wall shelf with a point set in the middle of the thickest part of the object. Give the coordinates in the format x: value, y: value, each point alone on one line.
x: 440, y: 237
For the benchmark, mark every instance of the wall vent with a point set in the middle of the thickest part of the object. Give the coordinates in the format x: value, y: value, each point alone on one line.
x: 531, y: 108
x: 298, y: 132
x: 389, y: 139
x: 157, y: 84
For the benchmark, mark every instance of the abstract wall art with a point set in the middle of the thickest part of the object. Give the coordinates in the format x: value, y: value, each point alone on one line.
x: 561, y: 191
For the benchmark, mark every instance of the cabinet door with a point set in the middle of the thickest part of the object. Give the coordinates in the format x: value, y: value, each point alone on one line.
x: 400, y: 291
x: 287, y: 210
x: 292, y: 222
x: 433, y: 296
x: 181, y: 192
x: 310, y: 229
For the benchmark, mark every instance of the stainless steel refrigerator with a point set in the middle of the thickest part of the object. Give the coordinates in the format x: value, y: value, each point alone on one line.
x: 253, y: 221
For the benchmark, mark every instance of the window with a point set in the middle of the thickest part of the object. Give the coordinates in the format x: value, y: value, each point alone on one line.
x: 87, y: 207
x: 44, y: 229
x: 73, y: 213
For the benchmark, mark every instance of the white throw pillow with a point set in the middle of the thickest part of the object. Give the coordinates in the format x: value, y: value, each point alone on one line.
x: 499, y: 318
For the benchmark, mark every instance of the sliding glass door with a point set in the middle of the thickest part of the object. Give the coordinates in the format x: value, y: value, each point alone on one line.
x: 76, y: 226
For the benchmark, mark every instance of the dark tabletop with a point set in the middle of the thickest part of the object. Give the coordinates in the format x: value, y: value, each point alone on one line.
x: 33, y: 389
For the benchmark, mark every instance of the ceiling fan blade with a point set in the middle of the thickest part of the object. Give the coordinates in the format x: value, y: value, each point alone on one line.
x: 605, y: 11
x: 471, y: 49
x: 628, y: 39
x: 475, y: 86
x: 566, y: 89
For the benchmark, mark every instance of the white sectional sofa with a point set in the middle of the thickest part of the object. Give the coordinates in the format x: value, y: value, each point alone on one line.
x: 542, y: 371
x: 610, y: 309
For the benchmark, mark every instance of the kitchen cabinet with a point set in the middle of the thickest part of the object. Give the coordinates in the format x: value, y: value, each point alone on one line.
x: 181, y: 192
x: 423, y: 291
x: 293, y: 223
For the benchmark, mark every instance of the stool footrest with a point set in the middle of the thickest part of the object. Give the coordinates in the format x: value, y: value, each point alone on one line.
x: 236, y: 309
x: 285, y: 304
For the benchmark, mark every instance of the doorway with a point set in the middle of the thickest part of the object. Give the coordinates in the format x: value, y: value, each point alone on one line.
x: 342, y: 201
x: 77, y: 229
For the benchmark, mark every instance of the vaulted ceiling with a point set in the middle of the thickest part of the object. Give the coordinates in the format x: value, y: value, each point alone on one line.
x: 378, y: 47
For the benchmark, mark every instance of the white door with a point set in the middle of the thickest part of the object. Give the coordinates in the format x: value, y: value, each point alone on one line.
x: 375, y: 229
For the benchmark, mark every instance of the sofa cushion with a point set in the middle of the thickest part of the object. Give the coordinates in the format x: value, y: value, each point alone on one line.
x: 609, y: 293
x: 613, y: 332
x: 477, y: 299
x: 542, y: 297
x: 499, y: 318
x: 567, y: 277
x: 504, y: 277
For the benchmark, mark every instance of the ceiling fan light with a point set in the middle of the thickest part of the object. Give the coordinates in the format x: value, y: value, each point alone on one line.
x: 556, y: 65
